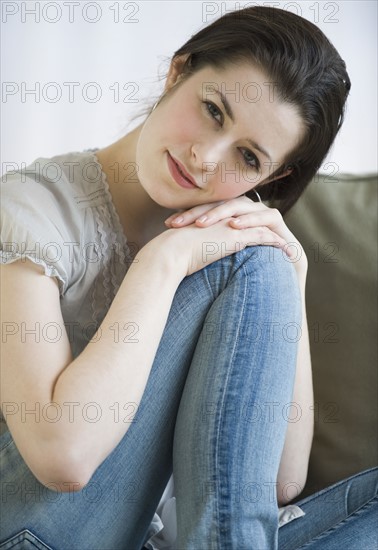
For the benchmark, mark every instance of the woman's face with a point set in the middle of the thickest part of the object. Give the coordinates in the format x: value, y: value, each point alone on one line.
x: 223, y: 130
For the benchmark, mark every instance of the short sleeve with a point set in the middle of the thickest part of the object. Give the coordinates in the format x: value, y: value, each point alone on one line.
x: 39, y: 222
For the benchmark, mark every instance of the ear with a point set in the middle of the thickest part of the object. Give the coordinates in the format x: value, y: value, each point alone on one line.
x: 175, y: 71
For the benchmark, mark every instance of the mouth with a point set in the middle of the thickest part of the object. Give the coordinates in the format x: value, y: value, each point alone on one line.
x: 179, y: 173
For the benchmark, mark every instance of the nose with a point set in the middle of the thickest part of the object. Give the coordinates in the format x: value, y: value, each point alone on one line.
x: 208, y: 155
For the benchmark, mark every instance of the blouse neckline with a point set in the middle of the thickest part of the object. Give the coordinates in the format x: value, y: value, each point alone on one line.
x: 114, y: 214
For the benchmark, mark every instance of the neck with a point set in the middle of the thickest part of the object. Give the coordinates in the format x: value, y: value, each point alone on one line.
x: 141, y: 218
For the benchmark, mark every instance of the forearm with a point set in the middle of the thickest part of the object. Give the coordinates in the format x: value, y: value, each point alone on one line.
x: 111, y: 373
x: 294, y: 461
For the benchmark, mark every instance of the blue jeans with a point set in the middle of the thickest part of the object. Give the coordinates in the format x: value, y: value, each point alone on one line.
x: 214, y: 412
x: 342, y: 516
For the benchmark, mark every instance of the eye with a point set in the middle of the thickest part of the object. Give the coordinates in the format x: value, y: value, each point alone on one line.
x: 250, y: 158
x: 213, y: 111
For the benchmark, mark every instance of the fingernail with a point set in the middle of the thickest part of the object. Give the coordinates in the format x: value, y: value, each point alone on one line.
x: 178, y: 220
x: 202, y: 219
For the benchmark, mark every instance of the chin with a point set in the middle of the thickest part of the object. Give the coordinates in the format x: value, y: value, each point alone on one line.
x: 160, y: 193
x: 163, y: 199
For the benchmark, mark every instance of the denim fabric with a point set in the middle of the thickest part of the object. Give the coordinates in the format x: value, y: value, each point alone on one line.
x: 231, y: 425
x: 342, y: 516
x: 213, y: 412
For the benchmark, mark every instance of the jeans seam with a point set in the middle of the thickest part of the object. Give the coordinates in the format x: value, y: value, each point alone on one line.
x: 333, y: 486
x: 210, y: 288
x: 7, y: 444
x: 232, y: 363
x: 340, y: 523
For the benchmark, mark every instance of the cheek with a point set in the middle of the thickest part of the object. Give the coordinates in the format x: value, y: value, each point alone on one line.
x: 234, y: 181
x: 183, y: 124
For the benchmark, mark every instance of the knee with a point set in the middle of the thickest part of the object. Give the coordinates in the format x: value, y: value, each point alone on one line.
x: 266, y: 271
x: 273, y: 277
x: 268, y: 259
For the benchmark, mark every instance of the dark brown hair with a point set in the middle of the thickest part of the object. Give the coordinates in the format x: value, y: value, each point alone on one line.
x: 307, y: 72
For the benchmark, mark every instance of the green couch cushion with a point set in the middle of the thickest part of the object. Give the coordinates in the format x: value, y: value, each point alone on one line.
x: 336, y: 222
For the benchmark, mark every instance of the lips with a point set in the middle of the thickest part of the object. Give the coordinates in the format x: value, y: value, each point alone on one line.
x: 179, y: 173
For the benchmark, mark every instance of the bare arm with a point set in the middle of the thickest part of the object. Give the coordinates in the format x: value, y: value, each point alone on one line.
x: 293, y: 468
x: 41, y: 376
x: 109, y: 371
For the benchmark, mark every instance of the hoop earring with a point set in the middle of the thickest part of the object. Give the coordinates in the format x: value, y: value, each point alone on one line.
x: 157, y: 103
x: 258, y: 196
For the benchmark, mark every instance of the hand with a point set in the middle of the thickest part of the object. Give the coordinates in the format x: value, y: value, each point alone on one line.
x: 243, y: 213
x: 190, y: 248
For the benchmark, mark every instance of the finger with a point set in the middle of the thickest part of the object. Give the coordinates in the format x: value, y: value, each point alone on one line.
x: 186, y: 217
x: 266, y: 216
x: 264, y: 236
x: 234, y: 207
x: 270, y: 217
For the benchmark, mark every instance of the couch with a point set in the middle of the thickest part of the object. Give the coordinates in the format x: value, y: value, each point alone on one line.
x: 336, y: 222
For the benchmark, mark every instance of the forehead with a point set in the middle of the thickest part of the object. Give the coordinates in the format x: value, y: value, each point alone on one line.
x: 255, y: 104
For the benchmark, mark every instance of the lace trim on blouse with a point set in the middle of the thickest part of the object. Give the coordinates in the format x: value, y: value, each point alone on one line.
x: 115, y: 252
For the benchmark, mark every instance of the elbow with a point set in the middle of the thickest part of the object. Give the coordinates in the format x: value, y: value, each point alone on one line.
x: 288, y: 490
x: 62, y: 471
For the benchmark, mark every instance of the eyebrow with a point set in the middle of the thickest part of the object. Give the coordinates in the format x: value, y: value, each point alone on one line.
x: 230, y: 114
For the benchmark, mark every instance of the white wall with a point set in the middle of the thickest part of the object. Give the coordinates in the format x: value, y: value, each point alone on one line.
x: 124, y: 45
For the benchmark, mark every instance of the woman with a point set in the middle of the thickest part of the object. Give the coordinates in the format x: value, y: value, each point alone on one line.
x: 158, y: 345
